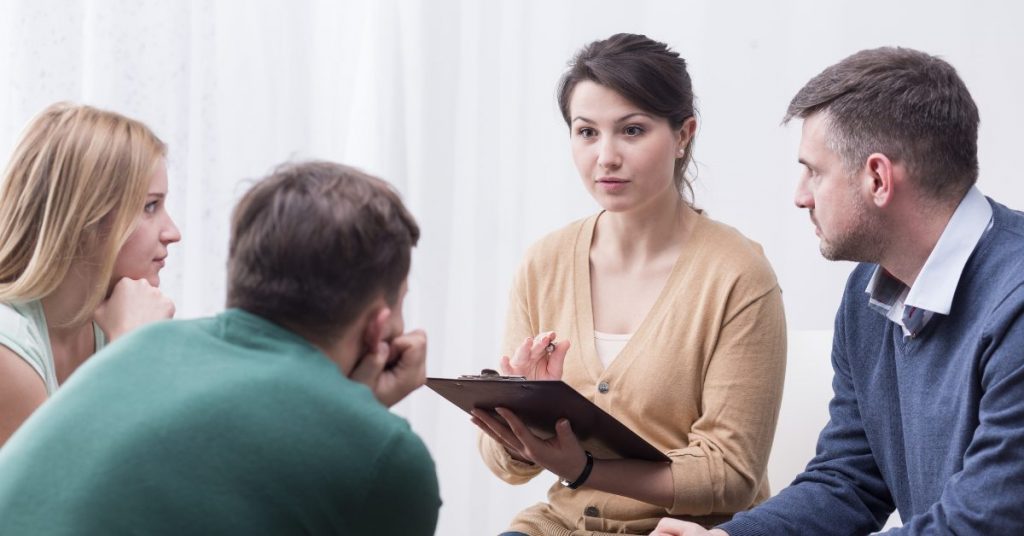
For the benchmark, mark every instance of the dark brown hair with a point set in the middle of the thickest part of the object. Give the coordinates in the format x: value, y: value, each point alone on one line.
x: 313, y: 243
x: 908, y: 105
x: 645, y: 72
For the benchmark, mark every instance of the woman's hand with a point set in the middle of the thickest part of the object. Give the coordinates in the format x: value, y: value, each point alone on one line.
x: 538, y: 358
x: 561, y: 454
x: 674, y: 527
x: 133, y: 304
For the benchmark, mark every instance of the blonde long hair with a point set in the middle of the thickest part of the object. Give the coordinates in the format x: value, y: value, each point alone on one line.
x: 71, y: 193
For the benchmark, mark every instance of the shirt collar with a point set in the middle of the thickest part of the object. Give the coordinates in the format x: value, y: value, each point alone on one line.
x: 935, y: 286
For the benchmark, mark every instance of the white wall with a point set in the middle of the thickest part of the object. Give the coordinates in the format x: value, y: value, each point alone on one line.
x: 453, y: 102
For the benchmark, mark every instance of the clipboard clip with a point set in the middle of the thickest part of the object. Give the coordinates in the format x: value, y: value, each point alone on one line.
x: 491, y: 374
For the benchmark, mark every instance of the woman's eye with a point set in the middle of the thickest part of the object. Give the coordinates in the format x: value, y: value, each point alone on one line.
x: 150, y: 207
x: 633, y: 130
x: 587, y: 132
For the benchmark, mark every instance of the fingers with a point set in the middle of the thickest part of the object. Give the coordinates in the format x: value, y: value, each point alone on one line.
x: 517, y: 427
x: 521, y: 357
x: 506, y: 366
x: 409, y: 348
x: 675, y: 527
x: 556, y: 360
x: 498, y: 431
x: 564, y: 433
x: 132, y: 303
x: 541, y: 342
x: 531, y: 358
x: 369, y: 367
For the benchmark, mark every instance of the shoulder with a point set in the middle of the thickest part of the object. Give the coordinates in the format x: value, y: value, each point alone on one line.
x: 554, y: 255
x: 20, y: 333
x: 404, y: 458
x: 172, y: 332
x: 731, y: 258
x: 559, y: 244
x: 995, y: 271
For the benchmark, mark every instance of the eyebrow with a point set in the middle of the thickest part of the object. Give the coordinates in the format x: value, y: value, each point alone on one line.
x: 619, y: 120
x: 157, y: 194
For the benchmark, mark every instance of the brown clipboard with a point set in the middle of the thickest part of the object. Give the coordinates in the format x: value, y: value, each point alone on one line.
x: 540, y: 404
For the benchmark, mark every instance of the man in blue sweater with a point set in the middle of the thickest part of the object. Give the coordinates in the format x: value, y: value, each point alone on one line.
x: 928, y: 352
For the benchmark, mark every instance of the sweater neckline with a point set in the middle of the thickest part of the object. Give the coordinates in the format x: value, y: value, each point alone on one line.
x: 690, y: 252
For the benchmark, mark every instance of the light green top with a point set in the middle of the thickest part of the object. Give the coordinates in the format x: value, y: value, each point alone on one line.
x: 23, y: 330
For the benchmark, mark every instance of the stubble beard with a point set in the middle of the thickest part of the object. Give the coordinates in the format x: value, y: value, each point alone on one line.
x: 863, y: 240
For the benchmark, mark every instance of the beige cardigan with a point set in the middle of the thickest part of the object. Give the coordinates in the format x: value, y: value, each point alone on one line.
x: 701, y: 378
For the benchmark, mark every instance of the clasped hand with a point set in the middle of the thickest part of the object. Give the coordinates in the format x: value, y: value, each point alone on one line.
x: 396, y: 368
x: 132, y: 304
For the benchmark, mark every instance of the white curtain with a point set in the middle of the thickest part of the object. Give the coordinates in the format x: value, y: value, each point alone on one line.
x: 453, y: 101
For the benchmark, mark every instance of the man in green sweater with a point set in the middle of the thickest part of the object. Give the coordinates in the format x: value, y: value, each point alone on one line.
x: 270, y: 418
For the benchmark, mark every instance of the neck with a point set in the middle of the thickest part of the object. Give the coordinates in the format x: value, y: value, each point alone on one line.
x: 62, y: 305
x: 344, y: 351
x: 645, y: 232
x: 920, y: 227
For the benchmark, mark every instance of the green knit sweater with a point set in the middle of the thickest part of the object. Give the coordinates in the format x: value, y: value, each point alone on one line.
x: 225, y: 425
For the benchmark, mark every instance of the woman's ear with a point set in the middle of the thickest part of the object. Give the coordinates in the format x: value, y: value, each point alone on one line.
x: 685, y: 134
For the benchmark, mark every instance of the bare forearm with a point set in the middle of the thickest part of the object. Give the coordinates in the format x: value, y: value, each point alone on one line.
x: 650, y: 482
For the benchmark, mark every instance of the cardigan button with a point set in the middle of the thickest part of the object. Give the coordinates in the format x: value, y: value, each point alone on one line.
x: 591, y: 511
x: 603, y: 387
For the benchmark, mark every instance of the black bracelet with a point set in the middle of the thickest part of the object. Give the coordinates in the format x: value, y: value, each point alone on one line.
x: 583, y: 476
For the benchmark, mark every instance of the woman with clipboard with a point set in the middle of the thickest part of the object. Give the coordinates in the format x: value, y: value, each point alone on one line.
x: 666, y: 319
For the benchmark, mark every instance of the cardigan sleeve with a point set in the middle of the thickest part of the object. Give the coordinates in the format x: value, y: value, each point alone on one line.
x: 722, y: 467
x: 517, y: 328
x: 842, y: 486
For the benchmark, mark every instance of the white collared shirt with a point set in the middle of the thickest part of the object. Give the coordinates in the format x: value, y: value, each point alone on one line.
x: 933, y: 290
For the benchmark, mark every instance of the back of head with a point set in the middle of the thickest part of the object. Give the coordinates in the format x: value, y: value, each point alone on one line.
x: 71, y: 193
x: 645, y: 72
x: 908, y: 105
x: 314, y: 243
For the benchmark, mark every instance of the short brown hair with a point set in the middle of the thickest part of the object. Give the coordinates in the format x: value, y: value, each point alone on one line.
x: 313, y: 243
x: 646, y: 73
x: 908, y: 105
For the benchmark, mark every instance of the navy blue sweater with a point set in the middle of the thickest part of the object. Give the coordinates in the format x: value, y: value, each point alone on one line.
x: 932, y: 425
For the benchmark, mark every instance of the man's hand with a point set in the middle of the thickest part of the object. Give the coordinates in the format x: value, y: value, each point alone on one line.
x: 538, y: 358
x: 394, y: 370
x: 675, y: 527
x: 132, y: 304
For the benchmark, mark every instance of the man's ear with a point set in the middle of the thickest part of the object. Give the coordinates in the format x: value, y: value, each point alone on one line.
x: 375, y: 324
x: 880, y: 179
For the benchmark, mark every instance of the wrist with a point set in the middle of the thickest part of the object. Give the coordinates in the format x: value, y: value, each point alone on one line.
x: 583, y: 475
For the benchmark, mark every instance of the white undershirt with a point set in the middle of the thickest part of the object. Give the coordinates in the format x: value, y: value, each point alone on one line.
x: 609, y: 345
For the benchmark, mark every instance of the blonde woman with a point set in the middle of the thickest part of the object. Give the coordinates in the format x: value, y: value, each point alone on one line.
x: 83, y: 236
